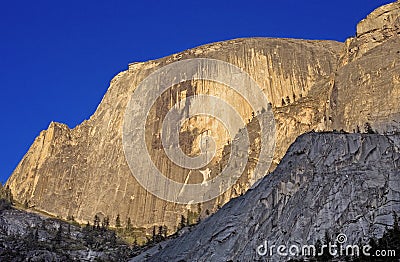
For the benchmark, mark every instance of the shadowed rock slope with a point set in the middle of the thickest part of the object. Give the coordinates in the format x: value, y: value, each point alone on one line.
x: 326, y: 183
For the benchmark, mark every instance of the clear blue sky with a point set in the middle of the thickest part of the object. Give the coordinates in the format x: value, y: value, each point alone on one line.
x: 57, y: 57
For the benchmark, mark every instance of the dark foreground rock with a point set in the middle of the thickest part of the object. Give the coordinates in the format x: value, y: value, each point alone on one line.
x: 26, y: 236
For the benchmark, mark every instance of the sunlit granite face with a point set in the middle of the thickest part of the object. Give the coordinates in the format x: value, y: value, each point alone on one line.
x: 311, y: 85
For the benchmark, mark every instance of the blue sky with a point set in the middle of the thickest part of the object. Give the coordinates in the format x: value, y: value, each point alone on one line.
x: 57, y: 57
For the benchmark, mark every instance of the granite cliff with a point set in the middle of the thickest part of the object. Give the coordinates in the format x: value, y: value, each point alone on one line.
x: 327, y: 183
x: 311, y: 85
x: 64, y: 169
x: 366, y: 86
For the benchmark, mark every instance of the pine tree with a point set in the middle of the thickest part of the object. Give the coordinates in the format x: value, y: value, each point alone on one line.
x: 106, y: 222
x: 153, y: 236
x: 165, y: 231
x: 368, y: 128
x: 199, y: 208
x: 160, y: 234
x: 182, y: 223
x: 9, y: 196
x: 6, y: 199
x: 128, y: 224
x: 117, y: 222
x: 96, y: 222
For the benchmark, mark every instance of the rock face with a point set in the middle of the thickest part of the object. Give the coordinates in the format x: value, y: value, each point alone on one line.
x: 367, y: 84
x: 327, y: 183
x: 81, y: 172
x: 312, y: 85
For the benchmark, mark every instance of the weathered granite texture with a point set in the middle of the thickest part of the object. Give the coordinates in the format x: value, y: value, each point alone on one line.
x: 83, y: 171
x: 320, y: 85
x: 327, y: 182
x: 367, y: 84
